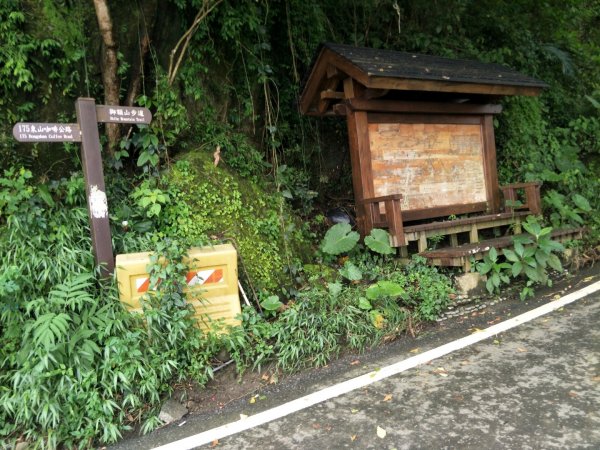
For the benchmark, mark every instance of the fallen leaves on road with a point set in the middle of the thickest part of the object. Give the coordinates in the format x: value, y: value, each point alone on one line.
x: 354, y: 411
x: 415, y: 350
x: 353, y: 437
x: 596, y: 378
x: 355, y: 362
x: 387, y: 398
x: 573, y: 394
x: 214, y: 443
x: 475, y: 330
x: 441, y: 372
x: 521, y: 350
x: 381, y: 433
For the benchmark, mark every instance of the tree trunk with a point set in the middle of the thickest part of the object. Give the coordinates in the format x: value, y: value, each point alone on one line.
x: 148, y: 13
x: 110, y: 64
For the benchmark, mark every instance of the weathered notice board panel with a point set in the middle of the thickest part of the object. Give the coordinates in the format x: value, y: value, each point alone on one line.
x: 431, y: 164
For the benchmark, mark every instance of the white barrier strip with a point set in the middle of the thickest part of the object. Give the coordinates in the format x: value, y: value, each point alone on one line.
x: 371, y: 377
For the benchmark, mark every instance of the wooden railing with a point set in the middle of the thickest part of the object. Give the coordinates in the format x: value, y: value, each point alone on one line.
x: 532, y: 199
x: 390, y: 218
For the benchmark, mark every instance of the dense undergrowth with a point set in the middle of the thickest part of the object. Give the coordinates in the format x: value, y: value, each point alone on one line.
x: 79, y: 369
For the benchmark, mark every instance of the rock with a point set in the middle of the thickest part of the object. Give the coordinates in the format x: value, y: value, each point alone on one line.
x: 469, y: 284
x: 172, y: 411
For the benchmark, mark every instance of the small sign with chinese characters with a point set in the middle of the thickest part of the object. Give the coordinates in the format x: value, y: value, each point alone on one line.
x: 47, y: 132
x: 123, y: 114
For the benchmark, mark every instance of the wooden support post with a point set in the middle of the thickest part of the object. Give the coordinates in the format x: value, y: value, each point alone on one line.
x: 422, y: 242
x: 517, y: 226
x: 393, y: 216
x: 404, y: 251
x: 95, y: 190
x: 474, y: 234
x: 454, y: 240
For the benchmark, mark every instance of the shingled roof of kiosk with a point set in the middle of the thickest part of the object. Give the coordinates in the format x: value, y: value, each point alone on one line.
x: 385, y: 71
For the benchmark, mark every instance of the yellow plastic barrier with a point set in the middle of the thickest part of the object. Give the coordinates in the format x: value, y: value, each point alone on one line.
x: 212, y: 283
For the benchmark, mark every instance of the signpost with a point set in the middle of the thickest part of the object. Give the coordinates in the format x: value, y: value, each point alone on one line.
x: 86, y: 131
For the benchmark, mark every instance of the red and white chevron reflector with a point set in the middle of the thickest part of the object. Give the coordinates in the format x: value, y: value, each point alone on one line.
x: 193, y: 278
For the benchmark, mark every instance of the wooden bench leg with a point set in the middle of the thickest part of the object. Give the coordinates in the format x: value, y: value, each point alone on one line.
x: 454, y: 240
x: 422, y: 242
x: 474, y: 235
x: 466, y: 264
x: 404, y: 251
x: 517, y: 226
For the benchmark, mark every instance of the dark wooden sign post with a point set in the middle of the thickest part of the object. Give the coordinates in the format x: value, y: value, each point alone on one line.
x: 86, y: 131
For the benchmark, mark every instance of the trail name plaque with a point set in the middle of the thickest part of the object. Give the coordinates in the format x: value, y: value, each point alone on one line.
x: 123, y: 114
x: 47, y: 132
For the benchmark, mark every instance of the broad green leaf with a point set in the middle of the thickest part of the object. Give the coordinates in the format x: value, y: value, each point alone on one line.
x: 554, y: 262
x: 339, y: 239
x: 489, y: 286
x: 582, y: 203
x: 484, y: 268
x: 143, y: 159
x: 517, y: 268
x: 519, y: 249
x: 532, y: 273
x: 510, y: 255
x: 365, y: 304
x: 334, y: 289
x: 493, y: 254
x: 379, y: 242
x: 271, y: 303
x: 351, y: 272
x: 384, y: 289
x: 541, y: 258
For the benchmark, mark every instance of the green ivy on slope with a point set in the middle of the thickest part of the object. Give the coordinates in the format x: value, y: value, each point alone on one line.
x: 211, y: 201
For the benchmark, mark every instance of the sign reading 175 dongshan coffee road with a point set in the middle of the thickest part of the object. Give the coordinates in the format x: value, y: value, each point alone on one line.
x: 86, y: 131
x: 47, y: 132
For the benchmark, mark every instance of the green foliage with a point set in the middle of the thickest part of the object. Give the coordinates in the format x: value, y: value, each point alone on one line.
x: 531, y: 257
x: 209, y: 201
x: 271, y: 304
x: 379, y: 242
x: 383, y: 289
x: 494, y: 270
x: 339, y: 239
x: 351, y: 272
x: 78, y: 370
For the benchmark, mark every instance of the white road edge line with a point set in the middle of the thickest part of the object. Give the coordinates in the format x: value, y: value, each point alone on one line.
x: 371, y: 377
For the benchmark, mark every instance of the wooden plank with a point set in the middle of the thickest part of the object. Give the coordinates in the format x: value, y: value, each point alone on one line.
x: 465, y: 119
x: 490, y: 169
x: 404, y: 84
x: 412, y: 233
x: 453, y: 224
x: 398, y: 106
x: 432, y: 165
x: 330, y: 94
x: 443, y: 211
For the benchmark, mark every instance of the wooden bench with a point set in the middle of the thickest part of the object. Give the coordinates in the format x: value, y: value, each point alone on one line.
x: 520, y: 200
x: 461, y: 255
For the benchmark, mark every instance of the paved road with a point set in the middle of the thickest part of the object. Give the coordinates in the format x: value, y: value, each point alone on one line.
x: 533, y: 387
x: 536, y: 386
